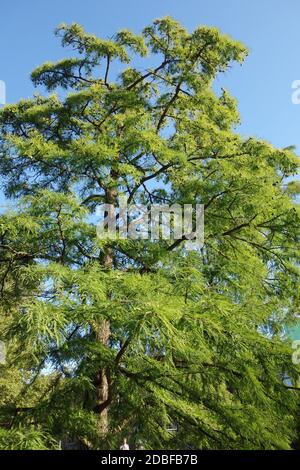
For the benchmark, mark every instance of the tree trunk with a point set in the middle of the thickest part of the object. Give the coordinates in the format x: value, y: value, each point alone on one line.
x: 103, y: 332
x: 102, y: 382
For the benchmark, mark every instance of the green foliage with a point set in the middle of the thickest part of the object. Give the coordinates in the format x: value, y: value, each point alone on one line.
x: 195, y: 338
x: 25, y: 439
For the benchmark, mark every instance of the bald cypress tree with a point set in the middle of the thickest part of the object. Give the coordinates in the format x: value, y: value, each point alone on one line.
x: 141, y: 336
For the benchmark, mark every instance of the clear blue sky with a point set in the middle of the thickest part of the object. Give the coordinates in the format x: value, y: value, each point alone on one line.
x: 270, y: 28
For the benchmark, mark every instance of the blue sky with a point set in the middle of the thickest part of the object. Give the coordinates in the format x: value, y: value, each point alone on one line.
x: 270, y: 29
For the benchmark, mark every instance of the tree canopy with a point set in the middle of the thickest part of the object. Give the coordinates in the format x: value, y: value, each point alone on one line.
x: 119, y: 337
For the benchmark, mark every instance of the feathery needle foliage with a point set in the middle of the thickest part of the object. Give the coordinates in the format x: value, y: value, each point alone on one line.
x: 107, y: 338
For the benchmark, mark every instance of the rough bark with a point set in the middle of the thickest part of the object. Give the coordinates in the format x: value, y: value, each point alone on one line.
x: 103, y: 332
x: 102, y: 382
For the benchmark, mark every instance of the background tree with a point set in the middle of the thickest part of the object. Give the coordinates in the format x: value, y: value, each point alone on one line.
x: 143, y: 336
